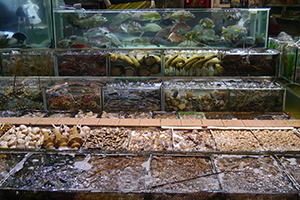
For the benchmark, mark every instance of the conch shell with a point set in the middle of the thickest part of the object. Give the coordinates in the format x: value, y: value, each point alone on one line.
x: 48, y: 140
x: 75, y: 140
x: 61, y: 140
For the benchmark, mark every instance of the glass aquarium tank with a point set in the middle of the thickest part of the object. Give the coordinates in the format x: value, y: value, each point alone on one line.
x: 251, y: 62
x: 288, y: 62
x: 74, y: 95
x: 26, y: 23
x: 195, y: 95
x: 192, y: 63
x: 132, y: 95
x: 27, y: 63
x: 21, y: 94
x: 161, y: 28
x: 90, y: 62
x: 250, y: 95
x: 135, y: 63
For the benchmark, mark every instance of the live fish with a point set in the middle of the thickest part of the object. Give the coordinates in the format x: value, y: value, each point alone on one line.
x: 113, y: 39
x: 131, y: 27
x: 180, y: 28
x: 206, y: 22
x: 146, y: 16
x: 119, y: 18
x: 173, y: 37
x: 152, y: 27
x: 144, y: 41
x: 159, y: 41
x: 235, y: 30
x: 164, y: 32
x: 79, y: 45
x: 181, y: 15
x: 96, y: 32
x: 90, y: 21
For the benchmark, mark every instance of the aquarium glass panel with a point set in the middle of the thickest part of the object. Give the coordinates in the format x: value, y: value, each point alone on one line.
x: 135, y: 63
x: 74, y: 95
x: 132, y: 95
x: 250, y: 62
x: 25, y: 24
x: 288, y: 62
x: 161, y: 28
x: 28, y: 63
x: 192, y: 63
x: 20, y: 94
x: 191, y: 96
x: 81, y: 63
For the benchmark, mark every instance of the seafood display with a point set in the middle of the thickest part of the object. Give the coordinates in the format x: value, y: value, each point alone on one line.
x: 119, y: 174
x: 256, y: 100
x: 22, y: 137
x: 36, y: 114
x: 278, y: 140
x: 150, y: 140
x: 81, y: 63
x: 191, y: 115
x: 107, y: 138
x: 76, y: 137
x: 46, y: 171
x: 250, y: 62
x: 135, y: 63
x: 191, y: 96
x: 89, y: 114
x: 192, y: 63
x: 236, y: 140
x: 194, y: 140
x: 139, y: 115
x: 74, y: 95
x: 174, y: 28
x: 127, y: 115
x: 28, y: 63
x: 60, y: 137
x: 255, y: 95
x: 242, y: 174
x: 21, y: 94
x: 165, y: 115
x: 10, y: 113
x: 182, y: 174
x: 118, y: 115
x: 4, y: 128
x: 140, y: 95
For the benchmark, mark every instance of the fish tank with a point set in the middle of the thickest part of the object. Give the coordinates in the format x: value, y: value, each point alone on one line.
x: 192, y: 63
x: 21, y: 94
x: 194, y: 95
x: 288, y: 62
x: 250, y: 95
x: 90, y: 62
x: 74, y: 95
x: 27, y: 63
x: 26, y: 23
x: 251, y: 62
x: 132, y: 95
x: 288, y: 59
x: 135, y: 63
x: 161, y: 28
